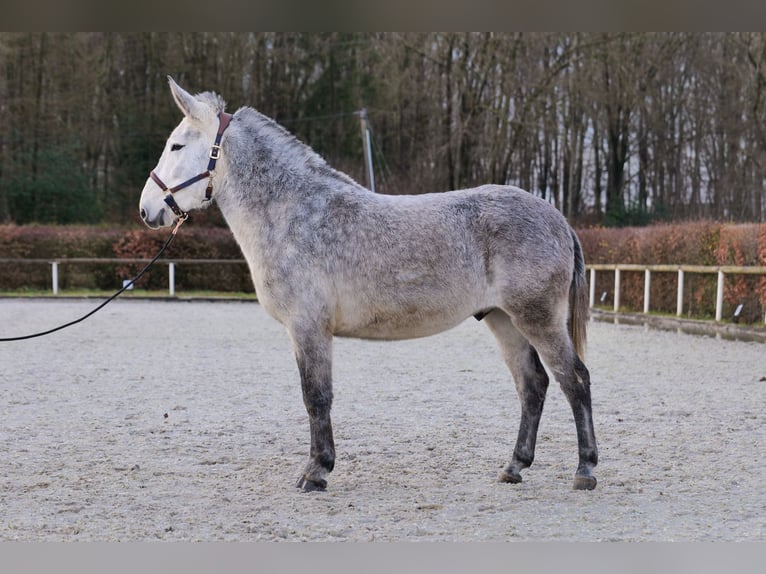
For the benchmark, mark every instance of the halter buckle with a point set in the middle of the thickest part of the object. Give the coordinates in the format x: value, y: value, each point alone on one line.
x: 215, y: 152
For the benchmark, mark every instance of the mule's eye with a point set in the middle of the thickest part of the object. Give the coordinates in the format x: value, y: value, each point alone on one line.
x: 176, y: 147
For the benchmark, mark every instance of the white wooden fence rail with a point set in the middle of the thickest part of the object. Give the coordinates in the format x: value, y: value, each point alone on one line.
x: 722, y: 271
x: 54, y: 264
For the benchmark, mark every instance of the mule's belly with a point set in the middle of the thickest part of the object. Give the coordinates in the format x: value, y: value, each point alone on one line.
x: 384, y: 329
x: 418, y: 299
x: 403, y: 322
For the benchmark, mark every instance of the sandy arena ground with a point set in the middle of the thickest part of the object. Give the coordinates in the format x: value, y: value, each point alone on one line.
x: 184, y: 421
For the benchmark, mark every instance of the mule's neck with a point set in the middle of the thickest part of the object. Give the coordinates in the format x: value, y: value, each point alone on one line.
x: 268, y: 176
x: 272, y: 163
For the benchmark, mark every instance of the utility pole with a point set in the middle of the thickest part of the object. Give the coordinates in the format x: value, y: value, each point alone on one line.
x: 367, y: 147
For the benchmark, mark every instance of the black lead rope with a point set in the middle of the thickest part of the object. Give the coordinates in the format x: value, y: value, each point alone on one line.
x: 109, y: 300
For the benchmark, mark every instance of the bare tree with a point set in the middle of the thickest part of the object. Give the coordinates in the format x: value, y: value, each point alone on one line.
x: 619, y: 128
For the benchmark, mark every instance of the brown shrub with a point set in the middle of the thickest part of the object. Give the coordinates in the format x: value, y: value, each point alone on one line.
x: 191, y: 243
x: 695, y: 243
x: 53, y: 242
x: 57, y: 242
x: 762, y: 262
x: 739, y: 245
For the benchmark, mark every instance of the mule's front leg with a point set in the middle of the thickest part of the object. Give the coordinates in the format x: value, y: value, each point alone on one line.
x: 313, y: 353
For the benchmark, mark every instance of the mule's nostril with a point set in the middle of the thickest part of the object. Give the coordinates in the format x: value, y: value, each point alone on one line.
x: 143, y: 214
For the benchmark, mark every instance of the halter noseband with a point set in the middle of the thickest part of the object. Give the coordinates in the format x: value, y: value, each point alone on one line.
x: 215, y: 153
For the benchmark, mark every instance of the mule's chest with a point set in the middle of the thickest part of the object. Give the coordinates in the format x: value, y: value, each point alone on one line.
x: 269, y: 298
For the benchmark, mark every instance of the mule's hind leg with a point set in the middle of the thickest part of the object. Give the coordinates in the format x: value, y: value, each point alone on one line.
x: 531, y: 384
x: 555, y: 347
x: 577, y: 392
x: 313, y: 353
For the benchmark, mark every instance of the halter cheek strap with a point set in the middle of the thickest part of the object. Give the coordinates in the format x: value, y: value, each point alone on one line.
x: 215, y: 153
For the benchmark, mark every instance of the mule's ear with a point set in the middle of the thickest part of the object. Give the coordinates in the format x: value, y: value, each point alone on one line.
x: 188, y: 104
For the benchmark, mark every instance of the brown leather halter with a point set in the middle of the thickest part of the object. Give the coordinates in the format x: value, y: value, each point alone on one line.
x: 215, y: 153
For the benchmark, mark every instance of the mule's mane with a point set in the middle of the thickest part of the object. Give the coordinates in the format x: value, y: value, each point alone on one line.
x: 288, y: 147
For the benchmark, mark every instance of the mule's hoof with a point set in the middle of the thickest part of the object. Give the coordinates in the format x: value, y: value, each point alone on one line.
x: 584, y: 482
x: 509, y: 476
x: 311, y: 485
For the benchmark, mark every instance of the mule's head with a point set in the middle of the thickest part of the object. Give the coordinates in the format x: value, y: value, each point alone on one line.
x: 185, y: 156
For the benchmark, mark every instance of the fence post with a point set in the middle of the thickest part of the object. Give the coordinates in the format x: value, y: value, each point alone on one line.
x: 172, y: 279
x: 616, y: 289
x: 647, y: 288
x: 592, y: 287
x: 719, y: 297
x: 680, y: 297
x: 55, y: 277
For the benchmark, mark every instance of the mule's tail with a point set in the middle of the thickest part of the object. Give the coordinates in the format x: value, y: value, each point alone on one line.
x: 578, y: 301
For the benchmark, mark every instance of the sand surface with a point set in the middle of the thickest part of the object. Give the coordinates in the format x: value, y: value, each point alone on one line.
x: 184, y: 421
